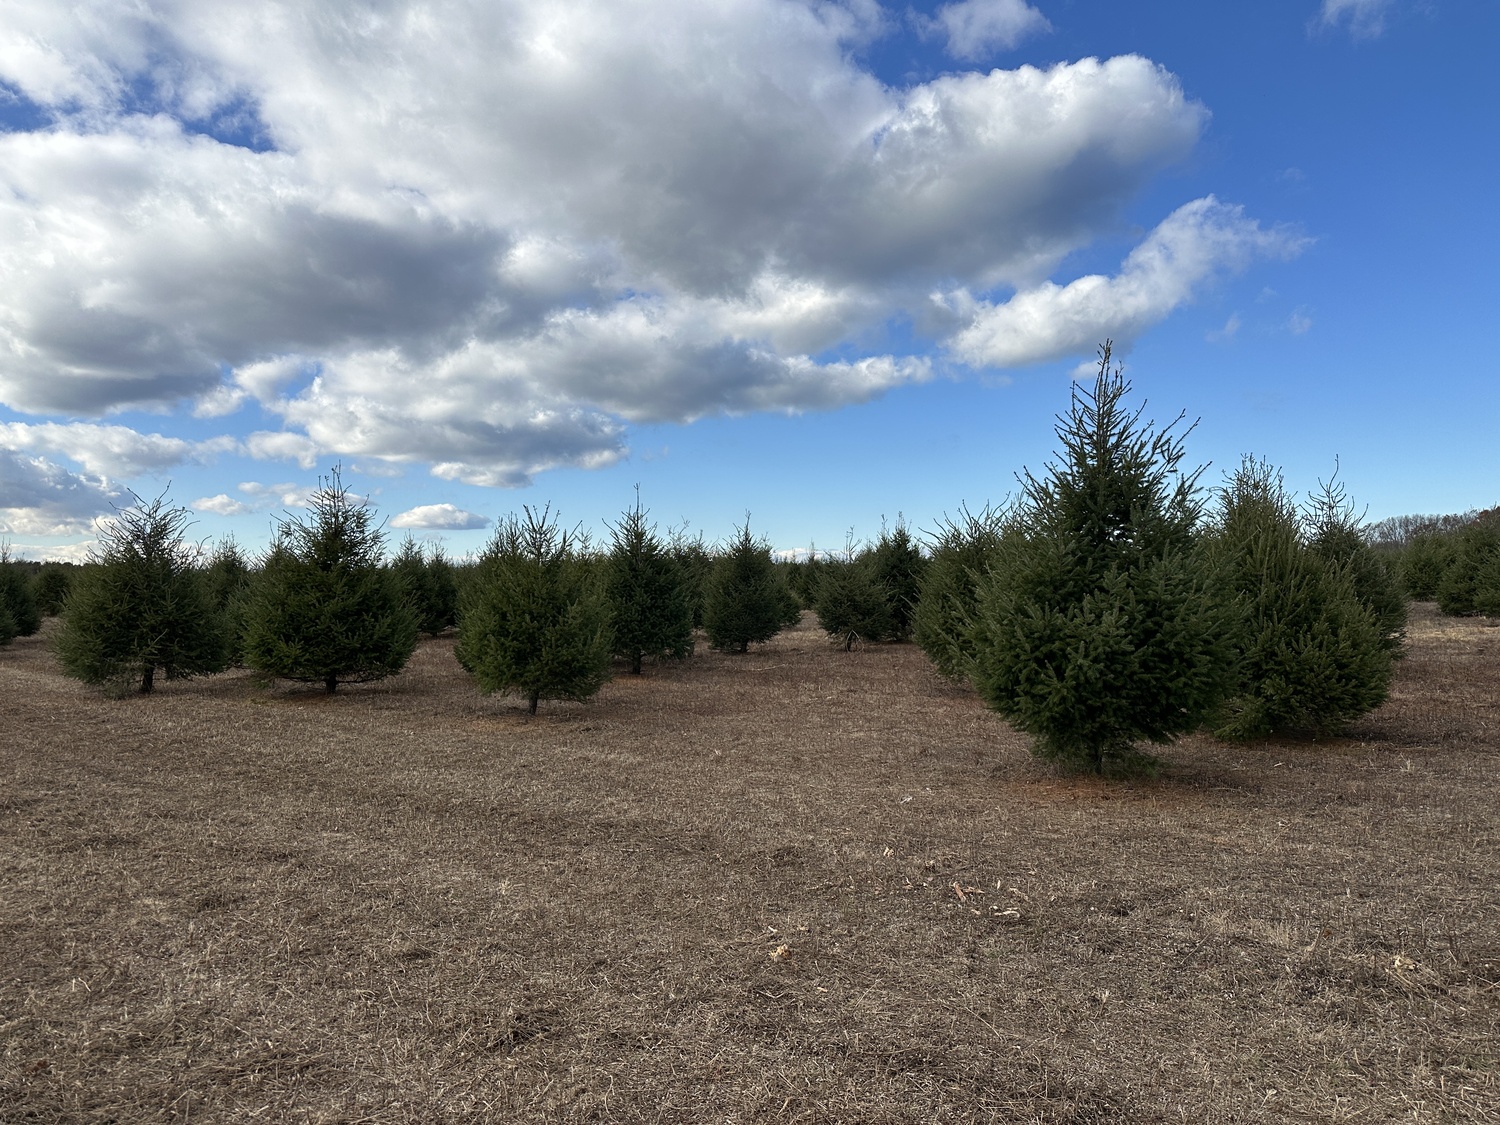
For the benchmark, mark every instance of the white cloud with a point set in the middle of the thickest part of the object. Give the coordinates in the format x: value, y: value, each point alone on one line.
x: 489, y: 236
x: 1299, y: 323
x: 267, y: 445
x: 39, y: 497
x: 439, y: 517
x: 115, y: 451
x: 977, y: 29
x: 1197, y: 242
x: 1365, y: 18
x: 221, y: 505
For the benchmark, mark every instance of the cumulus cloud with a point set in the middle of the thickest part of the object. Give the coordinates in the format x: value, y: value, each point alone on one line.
x: 1364, y: 18
x: 221, y: 505
x: 979, y: 28
x: 39, y: 497
x: 487, y: 237
x: 439, y: 517
x: 115, y: 451
x: 1197, y: 242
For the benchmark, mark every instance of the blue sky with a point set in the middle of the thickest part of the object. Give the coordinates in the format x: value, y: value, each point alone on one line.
x: 824, y: 263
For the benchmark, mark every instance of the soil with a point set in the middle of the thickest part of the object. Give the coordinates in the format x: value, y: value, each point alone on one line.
x: 794, y: 885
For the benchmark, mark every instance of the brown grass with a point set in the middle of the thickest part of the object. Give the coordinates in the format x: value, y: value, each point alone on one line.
x: 799, y: 885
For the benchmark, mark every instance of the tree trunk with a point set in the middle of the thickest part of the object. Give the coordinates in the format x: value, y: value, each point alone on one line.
x: 744, y: 646
x: 635, y: 665
x: 330, y: 684
x: 534, y: 699
x: 148, y: 679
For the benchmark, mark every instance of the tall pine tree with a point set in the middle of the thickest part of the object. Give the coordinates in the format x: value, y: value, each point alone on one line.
x: 1312, y: 654
x: 534, y: 618
x: 141, y: 608
x: 746, y: 601
x: 323, y: 609
x: 650, y: 611
x: 1098, y: 627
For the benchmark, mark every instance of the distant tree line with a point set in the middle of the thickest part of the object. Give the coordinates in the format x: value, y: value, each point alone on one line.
x: 541, y: 613
x: 1453, y: 559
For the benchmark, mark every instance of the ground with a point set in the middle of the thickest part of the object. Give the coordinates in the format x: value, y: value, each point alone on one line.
x: 798, y: 885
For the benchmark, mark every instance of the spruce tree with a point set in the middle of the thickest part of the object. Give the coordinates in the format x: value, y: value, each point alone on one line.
x: 1471, y: 581
x: 534, y: 619
x: 649, y: 608
x: 228, y: 581
x: 1335, y: 535
x: 141, y: 608
x: 1098, y: 627
x: 1423, y: 562
x: 1313, y: 655
x: 694, y: 564
x: 51, y: 587
x: 962, y: 554
x: 22, y: 616
x: 323, y: 609
x: 746, y: 600
x: 851, y: 604
x: 897, y: 565
x: 426, y: 580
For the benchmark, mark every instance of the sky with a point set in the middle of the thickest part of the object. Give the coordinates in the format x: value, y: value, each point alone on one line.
x: 825, y: 264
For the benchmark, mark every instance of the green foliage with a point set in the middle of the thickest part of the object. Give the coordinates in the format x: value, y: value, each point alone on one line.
x: 51, y: 587
x: 1098, y: 626
x: 141, y: 608
x: 228, y: 581
x: 535, y: 620
x: 427, y: 582
x: 1335, y: 536
x: 851, y: 604
x: 1471, y: 581
x: 1313, y: 654
x: 323, y: 609
x: 1422, y: 564
x: 896, y: 566
x: 746, y: 600
x: 965, y: 549
x: 21, y: 616
x: 694, y: 564
x: 648, y: 598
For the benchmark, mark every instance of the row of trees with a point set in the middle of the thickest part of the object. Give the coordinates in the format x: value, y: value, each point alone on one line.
x: 1113, y: 606
x: 1454, y: 560
x: 541, y: 614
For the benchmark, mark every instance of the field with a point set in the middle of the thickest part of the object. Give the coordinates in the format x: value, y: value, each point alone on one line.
x: 798, y: 885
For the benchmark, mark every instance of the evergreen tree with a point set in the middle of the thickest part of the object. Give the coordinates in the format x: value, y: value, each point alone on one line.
x: 1423, y: 562
x: 1312, y: 655
x: 1336, y: 536
x: 427, y: 582
x: 535, y: 620
x: 228, y: 580
x: 141, y: 608
x: 851, y: 604
x: 746, y: 600
x: 896, y: 566
x: 323, y: 609
x: 1471, y: 581
x: 18, y: 604
x: 649, y: 608
x: 964, y: 550
x: 51, y: 587
x: 1097, y: 625
x: 694, y: 564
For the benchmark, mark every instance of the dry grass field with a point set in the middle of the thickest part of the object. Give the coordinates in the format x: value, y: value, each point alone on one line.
x: 798, y: 885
